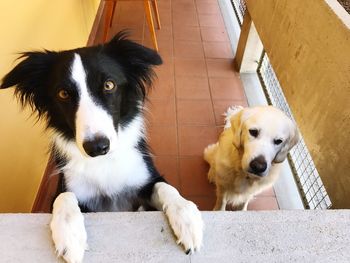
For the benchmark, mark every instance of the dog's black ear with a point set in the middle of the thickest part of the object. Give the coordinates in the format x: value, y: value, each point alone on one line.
x: 136, y: 59
x: 122, y: 47
x: 30, y: 78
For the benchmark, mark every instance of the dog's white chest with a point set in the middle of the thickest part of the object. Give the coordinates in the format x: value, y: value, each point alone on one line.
x: 105, y: 175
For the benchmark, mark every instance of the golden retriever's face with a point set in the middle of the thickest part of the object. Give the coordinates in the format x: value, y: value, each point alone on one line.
x: 266, y: 135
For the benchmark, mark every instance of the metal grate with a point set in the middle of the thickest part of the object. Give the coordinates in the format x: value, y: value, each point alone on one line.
x: 239, y: 6
x: 309, y: 182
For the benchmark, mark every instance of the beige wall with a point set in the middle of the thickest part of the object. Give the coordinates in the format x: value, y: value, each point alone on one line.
x: 27, y: 25
x: 309, y: 48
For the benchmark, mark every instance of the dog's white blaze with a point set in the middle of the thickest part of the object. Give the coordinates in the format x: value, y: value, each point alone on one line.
x: 91, y: 119
x: 106, y: 174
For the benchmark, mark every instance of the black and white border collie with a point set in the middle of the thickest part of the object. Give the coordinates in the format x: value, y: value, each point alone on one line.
x: 92, y: 99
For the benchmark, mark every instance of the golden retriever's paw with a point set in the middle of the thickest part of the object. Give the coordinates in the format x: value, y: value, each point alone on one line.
x: 232, y: 110
x: 187, y: 224
x: 68, y: 230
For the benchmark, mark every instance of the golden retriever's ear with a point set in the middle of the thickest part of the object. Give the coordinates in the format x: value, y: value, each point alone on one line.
x: 236, y: 127
x: 292, y: 140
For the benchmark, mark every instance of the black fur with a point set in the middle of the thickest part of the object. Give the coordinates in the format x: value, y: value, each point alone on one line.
x: 41, y: 74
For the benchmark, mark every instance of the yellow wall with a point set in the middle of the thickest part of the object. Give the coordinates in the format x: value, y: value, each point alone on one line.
x: 309, y: 49
x: 27, y: 25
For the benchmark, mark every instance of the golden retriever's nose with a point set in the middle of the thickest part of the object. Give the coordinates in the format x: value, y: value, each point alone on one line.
x: 258, y: 165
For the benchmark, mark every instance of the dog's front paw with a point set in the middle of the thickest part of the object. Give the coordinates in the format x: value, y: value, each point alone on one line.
x: 68, y: 230
x: 187, y: 224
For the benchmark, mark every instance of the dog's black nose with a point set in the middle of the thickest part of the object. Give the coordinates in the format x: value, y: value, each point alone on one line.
x: 258, y: 165
x: 97, y: 146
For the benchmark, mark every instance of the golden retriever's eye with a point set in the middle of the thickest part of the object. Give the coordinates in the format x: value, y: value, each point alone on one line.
x: 63, y: 94
x: 254, y: 132
x: 109, y: 86
x: 277, y: 141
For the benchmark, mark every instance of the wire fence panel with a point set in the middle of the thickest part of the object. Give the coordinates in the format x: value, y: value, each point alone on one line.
x: 309, y: 181
x: 239, y: 6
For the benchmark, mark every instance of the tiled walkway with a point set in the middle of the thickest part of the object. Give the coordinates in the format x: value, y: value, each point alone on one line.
x: 195, y: 85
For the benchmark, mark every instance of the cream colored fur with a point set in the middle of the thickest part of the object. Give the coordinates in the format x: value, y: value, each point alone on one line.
x: 229, y: 158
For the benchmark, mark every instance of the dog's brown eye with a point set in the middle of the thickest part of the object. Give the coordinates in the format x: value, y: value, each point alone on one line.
x: 109, y: 86
x: 63, y: 94
x: 254, y: 132
x: 277, y: 141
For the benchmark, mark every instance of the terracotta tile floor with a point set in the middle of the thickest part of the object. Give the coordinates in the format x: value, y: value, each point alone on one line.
x: 195, y: 86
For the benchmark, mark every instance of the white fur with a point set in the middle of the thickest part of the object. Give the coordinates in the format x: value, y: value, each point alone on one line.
x: 91, y: 119
x: 230, y: 157
x: 183, y: 215
x: 232, y: 110
x: 68, y: 230
x: 106, y: 174
x: 272, y: 124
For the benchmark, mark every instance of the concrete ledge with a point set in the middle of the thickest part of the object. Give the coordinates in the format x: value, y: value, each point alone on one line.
x: 278, y: 236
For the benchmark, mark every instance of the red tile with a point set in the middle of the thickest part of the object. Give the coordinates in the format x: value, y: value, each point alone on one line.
x: 166, y: 33
x: 213, y: 34
x: 190, y: 67
x: 136, y: 30
x: 221, y: 106
x: 166, y: 18
x: 210, y: 20
x: 208, y: 7
x: 125, y: 18
x: 263, y: 203
x: 168, y: 167
x: 123, y: 10
x: 187, y: 33
x: 167, y: 68
x: 163, y: 87
x: 164, y: 6
x: 183, y: 6
x: 226, y: 88
x: 193, y: 139
x: 193, y: 176
x: 220, y: 68
x: 161, y: 112
x: 204, y: 203
x: 195, y: 112
x: 185, y: 18
x: 217, y: 50
x: 192, y: 88
x: 188, y: 49
x: 269, y: 192
x: 165, y: 46
x: 163, y: 140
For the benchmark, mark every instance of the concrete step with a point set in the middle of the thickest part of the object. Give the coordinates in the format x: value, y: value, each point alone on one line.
x: 274, y: 236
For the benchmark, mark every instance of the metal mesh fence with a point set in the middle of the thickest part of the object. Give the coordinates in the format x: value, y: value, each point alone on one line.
x: 308, y: 180
x: 305, y: 173
x: 239, y: 6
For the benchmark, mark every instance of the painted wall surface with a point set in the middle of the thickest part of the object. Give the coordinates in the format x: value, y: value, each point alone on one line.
x: 309, y: 49
x: 28, y: 25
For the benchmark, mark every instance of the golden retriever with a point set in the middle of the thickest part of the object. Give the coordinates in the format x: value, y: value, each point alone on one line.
x: 246, y: 159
